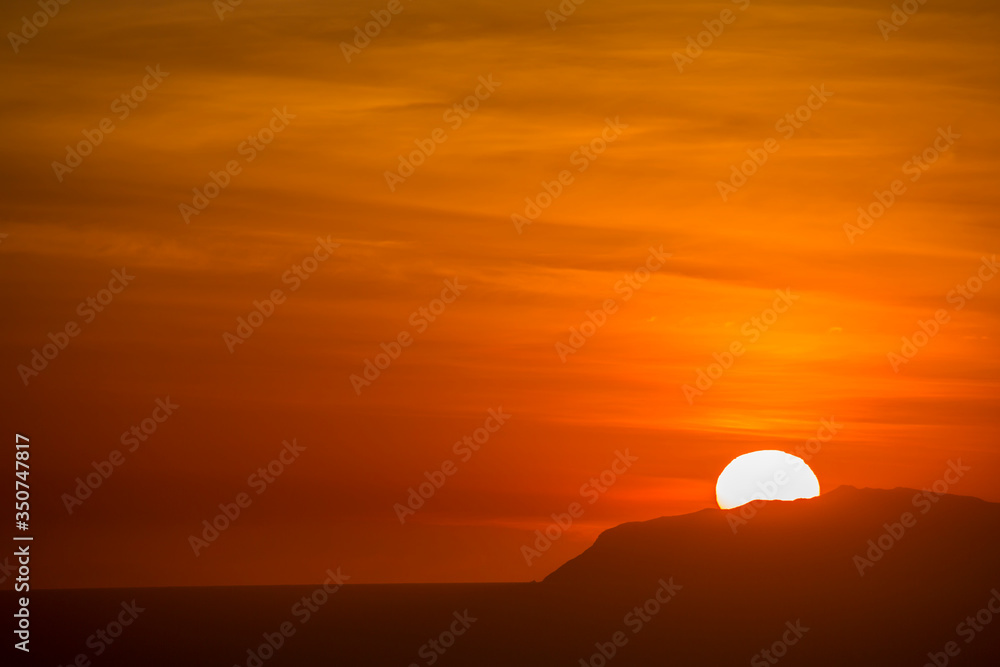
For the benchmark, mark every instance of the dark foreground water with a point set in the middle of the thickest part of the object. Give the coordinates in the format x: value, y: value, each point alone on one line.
x: 471, y: 625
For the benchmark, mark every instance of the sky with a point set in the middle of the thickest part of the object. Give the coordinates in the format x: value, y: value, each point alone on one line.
x: 591, y: 209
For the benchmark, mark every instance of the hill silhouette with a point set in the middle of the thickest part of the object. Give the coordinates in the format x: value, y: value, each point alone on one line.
x: 871, y: 588
x: 800, y: 580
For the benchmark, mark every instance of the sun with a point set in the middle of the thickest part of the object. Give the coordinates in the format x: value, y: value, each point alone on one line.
x: 768, y: 474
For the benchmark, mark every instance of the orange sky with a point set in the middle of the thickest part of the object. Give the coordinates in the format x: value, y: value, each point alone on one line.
x: 656, y: 184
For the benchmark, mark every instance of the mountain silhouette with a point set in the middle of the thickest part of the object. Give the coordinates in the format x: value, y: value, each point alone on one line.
x: 852, y: 577
x: 871, y: 587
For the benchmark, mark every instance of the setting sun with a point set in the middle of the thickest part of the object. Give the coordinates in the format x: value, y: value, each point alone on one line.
x: 765, y: 475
